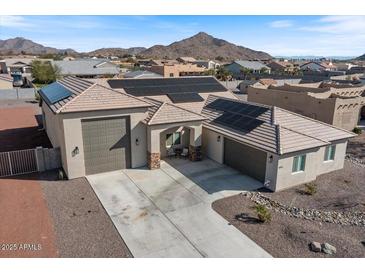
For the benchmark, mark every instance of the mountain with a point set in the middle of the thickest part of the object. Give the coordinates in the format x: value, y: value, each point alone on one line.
x: 105, y: 52
x: 204, y: 46
x: 360, y: 58
x: 21, y: 45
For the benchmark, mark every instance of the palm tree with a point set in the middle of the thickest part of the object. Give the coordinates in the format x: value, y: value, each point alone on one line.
x: 246, y: 72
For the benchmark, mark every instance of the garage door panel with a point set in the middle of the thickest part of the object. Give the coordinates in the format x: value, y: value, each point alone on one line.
x: 106, y: 144
x: 245, y: 159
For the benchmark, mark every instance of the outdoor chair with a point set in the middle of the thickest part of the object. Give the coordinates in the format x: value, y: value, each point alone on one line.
x: 171, y: 152
x: 185, y: 152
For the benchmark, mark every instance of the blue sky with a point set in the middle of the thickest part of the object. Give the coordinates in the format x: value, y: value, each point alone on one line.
x: 277, y: 35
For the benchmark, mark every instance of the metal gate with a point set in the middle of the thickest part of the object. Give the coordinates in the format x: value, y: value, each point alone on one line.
x: 18, y: 162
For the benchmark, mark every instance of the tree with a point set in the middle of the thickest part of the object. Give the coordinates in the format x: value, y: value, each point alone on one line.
x: 209, y: 72
x: 246, y: 72
x: 223, y: 74
x: 219, y: 58
x: 43, y: 72
x: 263, y: 70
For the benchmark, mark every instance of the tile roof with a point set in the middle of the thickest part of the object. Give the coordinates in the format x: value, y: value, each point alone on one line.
x: 87, y: 67
x: 255, y: 65
x: 89, y: 96
x: 166, y: 113
x: 278, y: 131
x: 138, y: 74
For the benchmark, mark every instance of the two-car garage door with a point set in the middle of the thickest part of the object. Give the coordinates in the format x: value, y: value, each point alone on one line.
x: 106, y: 144
x: 247, y: 160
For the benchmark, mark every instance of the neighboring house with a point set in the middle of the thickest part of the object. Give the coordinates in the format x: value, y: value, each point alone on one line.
x: 357, y: 69
x: 177, y: 70
x: 6, y: 81
x: 315, y: 66
x: 266, y: 82
x: 208, y: 64
x: 186, y: 60
x: 138, y: 74
x: 238, y: 66
x: 344, y: 66
x: 162, y: 62
x: 88, y: 68
x: 130, y: 123
x: 335, y: 104
x: 282, y: 67
x: 21, y: 66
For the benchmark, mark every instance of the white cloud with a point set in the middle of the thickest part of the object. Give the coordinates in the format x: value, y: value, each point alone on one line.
x: 13, y: 21
x: 281, y: 24
x: 353, y: 25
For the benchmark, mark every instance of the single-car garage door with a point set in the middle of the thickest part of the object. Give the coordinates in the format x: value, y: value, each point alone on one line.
x: 106, y: 144
x: 247, y: 160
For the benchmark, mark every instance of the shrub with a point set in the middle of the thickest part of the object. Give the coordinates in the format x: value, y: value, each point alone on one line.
x: 357, y: 130
x: 263, y: 213
x: 310, y: 189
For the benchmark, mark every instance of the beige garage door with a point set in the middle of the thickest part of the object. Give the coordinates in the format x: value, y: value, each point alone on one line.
x: 106, y: 144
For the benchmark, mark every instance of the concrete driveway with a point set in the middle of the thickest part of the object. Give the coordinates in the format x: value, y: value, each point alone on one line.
x: 167, y: 212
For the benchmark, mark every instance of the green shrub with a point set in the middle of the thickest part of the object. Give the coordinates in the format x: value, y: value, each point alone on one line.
x: 310, y: 189
x: 357, y: 130
x: 263, y: 213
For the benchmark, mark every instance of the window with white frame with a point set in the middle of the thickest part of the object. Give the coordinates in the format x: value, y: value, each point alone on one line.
x: 173, y: 139
x: 329, y: 153
x: 298, y: 163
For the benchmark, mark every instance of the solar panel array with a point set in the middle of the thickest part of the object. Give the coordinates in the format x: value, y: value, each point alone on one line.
x: 54, y: 92
x: 165, y: 86
x: 185, y: 97
x: 236, y: 115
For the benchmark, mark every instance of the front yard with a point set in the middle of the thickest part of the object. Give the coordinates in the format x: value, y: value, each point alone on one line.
x: 286, y: 236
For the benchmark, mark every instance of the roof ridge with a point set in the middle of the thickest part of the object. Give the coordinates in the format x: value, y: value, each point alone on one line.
x: 154, y: 115
x: 74, y: 98
x: 317, y: 121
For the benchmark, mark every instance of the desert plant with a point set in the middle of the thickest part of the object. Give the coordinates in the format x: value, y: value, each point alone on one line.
x: 263, y: 213
x: 310, y: 189
x: 357, y: 130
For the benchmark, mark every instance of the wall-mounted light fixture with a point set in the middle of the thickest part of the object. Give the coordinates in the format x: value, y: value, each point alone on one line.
x: 75, y: 151
x: 137, y: 141
x: 271, y: 158
x: 218, y: 138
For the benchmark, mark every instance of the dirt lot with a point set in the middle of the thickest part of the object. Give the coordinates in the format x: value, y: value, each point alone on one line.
x: 65, y: 217
x: 289, y: 237
x: 356, y: 146
x: 20, y: 127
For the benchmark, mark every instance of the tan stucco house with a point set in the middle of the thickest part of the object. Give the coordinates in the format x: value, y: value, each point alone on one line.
x: 336, y: 104
x: 114, y: 124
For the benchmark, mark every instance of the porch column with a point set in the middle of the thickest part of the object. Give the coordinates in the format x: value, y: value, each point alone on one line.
x: 153, y: 148
x: 195, y: 146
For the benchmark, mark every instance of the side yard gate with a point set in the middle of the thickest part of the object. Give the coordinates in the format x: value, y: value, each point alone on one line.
x: 28, y: 161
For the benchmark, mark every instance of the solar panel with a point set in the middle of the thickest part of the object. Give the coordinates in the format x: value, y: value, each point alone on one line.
x: 54, y: 92
x: 185, y: 97
x: 164, y: 86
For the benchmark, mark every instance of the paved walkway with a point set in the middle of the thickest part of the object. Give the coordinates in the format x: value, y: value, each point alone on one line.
x: 167, y: 212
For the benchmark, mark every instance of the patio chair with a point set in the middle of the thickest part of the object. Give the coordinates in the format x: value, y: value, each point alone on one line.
x: 185, y: 152
x: 171, y: 152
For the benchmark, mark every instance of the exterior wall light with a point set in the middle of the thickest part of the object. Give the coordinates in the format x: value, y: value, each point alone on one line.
x: 218, y: 138
x: 75, y: 151
x: 137, y: 141
x: 271, y: 159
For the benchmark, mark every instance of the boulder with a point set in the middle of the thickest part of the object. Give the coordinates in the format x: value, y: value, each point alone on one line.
x: 315, y: 246
x: 328, y: 249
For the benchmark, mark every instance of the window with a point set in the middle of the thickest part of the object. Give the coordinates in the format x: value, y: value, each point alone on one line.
x: 173, y: 139
x: 298, y: 163
x: 329, y: 153
x: 171, y: 75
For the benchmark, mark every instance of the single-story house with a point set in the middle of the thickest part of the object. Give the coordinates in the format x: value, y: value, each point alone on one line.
x: 315, y: 66
x: 255, y: 67
x: 130, y: 123
x: 88, y: 68
x: 208, y: 64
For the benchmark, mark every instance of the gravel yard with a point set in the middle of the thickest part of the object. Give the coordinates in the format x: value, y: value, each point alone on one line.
x: 285, y: 236
x: 356, y: 147
x: 83, y: 228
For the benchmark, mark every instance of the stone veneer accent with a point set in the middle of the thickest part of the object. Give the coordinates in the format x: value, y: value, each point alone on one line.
x: 195, y: 153
x: 153, y: 160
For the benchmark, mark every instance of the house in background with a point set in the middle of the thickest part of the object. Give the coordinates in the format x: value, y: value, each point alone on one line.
x: 208, y: 64
x: 282, y: 67
x: 316, y: 66
x: 128, y: 123
x: 335, y: 104
x: 238, y: 66
x: 88, y: 68
x: 177, y: 70
x: 139, y: 74
x: 186, y: 60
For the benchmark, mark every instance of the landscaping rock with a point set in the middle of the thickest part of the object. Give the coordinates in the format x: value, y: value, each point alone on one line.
x: 328, y: 249
x: 315, y: 247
